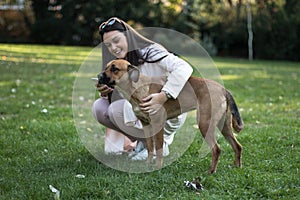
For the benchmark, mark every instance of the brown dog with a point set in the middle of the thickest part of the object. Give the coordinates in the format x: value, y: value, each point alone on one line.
x: 215, y: 105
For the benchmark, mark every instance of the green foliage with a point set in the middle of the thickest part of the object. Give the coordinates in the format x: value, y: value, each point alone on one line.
x: 277, y: 29
x: 220, y: 25
x: 40, y: 147
x: 77, y: 21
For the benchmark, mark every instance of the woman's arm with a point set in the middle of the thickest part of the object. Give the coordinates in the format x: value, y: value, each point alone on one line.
x: 178, y: 72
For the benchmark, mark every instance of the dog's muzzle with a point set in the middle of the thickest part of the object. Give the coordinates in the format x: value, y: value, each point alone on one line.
x: 104, y: 79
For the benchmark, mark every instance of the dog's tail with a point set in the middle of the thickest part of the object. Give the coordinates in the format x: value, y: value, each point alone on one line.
x: 237, y: 121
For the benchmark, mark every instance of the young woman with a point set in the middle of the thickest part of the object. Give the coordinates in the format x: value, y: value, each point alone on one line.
x: 120, y: 40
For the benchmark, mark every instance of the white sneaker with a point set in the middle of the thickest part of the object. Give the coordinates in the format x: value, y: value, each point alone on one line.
x: 139, y: 147
x: 166, y: 150
x: 143, y: 154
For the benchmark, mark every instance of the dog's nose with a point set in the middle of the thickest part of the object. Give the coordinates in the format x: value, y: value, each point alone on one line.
x: 103, y: 79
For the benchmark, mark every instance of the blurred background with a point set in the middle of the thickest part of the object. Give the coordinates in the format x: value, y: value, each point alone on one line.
x: 269, y: 29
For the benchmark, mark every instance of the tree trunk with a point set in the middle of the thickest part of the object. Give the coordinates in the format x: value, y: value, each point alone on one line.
x: 250, y: 33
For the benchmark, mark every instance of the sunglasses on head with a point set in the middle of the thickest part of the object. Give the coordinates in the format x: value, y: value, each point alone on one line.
x: 106, y: 25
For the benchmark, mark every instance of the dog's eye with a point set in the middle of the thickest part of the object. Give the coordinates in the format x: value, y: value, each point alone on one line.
x: 114, y: 69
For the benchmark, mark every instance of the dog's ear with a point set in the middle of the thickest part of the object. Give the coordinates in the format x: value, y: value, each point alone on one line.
x: 134, y: 73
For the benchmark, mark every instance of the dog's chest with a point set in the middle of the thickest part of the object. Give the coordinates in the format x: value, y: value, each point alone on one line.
x: 143, y: 117
x: 136, y: 99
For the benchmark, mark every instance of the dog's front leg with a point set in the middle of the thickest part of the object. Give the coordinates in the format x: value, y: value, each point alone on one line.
x: 159, y: 142
x: 149, y: 142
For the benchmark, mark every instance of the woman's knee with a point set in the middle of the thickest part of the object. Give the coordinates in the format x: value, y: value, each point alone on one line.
x: 99, y: 109
x: 115, y: 111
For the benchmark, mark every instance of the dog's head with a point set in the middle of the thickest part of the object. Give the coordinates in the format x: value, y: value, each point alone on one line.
x: 117, y: 69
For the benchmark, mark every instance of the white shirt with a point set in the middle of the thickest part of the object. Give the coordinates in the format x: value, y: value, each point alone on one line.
x: 177, y: 70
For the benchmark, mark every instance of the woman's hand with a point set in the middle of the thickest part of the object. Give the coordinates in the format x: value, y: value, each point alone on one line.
x: 104, y: 89
x: 153, y: 103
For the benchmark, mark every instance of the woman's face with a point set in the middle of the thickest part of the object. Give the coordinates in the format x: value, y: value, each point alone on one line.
x: 116, y: 43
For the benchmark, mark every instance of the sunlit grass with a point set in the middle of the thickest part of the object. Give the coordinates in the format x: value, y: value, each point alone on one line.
x: 230, y: 77
x: 39, y: 144
x: 46, y: 54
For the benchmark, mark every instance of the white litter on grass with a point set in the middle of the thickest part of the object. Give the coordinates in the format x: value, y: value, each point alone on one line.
x: 80, y: 176
x: 81, y: 98
x: 194, y: 185
x: 13, y: 90
x: 56, y: 191
x: 89, y: 129
x: 44, y: 110
x: 18, y: 82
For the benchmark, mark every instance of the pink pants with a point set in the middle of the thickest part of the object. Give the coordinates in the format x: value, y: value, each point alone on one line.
x: 111, y: 116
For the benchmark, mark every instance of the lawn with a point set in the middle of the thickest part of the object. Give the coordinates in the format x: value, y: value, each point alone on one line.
x: 40, y: 146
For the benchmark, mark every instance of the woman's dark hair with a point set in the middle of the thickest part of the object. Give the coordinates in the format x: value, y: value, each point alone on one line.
x: 135, y: 42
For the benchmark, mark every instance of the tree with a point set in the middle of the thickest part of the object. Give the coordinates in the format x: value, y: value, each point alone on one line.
x: 250, y: 33
x: 76, y: 22
x: 221, y: 23
x: 276, y: 25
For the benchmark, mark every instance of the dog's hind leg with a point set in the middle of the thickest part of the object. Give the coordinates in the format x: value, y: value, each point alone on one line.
x: 226, y: 130
x: 207, y: 128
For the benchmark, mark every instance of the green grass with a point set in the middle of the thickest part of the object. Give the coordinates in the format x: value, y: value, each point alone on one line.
x: 39, y: 149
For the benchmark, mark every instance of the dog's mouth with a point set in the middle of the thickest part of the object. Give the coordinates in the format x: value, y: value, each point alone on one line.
x: 104, y: 79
